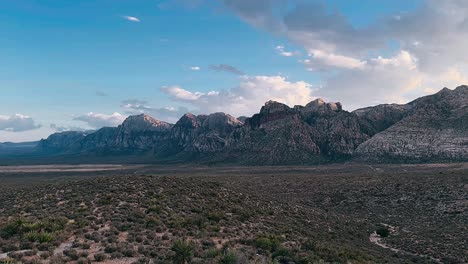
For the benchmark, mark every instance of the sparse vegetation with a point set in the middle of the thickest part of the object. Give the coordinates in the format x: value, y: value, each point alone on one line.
x: 280, y: 215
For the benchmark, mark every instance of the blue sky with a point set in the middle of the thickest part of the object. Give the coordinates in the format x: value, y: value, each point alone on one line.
x: 60, y: 61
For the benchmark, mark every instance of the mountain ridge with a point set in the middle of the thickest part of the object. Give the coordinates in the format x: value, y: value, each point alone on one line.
x: 318, y: 132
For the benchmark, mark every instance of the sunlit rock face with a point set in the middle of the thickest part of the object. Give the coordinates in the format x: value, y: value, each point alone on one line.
x: 435, y: 128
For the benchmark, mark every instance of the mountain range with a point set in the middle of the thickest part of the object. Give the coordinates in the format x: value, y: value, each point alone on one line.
x: 433, y: 128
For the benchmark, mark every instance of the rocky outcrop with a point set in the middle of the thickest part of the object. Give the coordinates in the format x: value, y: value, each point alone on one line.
x: 383, y: 116
x: 203, y: 133
x: 317, y: 132
x: 277, y: 135
x: 435, y: 128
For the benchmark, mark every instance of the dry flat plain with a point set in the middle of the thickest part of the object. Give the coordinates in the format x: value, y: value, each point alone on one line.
x: 187, y: 214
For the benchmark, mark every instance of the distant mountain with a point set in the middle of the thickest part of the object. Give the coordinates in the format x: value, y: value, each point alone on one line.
x: 10, y: 148
x: 431, y: 128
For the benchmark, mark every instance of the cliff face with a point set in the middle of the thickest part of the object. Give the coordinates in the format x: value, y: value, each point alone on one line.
x: 435, y: 128
x: 203, y: 133
x: 316, y: 132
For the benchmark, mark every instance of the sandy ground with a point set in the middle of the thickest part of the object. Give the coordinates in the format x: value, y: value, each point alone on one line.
x: 66, y: 168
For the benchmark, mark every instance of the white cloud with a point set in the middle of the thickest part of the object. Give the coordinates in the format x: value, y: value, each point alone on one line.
x: 132, y: 18
x: 379, y: 80
x: 322, y: 61
x: 95, y: 120
x: 282, y: 52
x: 58, y: 128
x: 247, y: 98
x: 168, y: 114
x: 17, y: 123
x: 195, y: 68
x: 181, y: 94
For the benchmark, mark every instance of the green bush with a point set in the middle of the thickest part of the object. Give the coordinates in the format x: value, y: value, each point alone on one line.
x: 270, y: 243
x: 12, y: 228
x: 44, y: 237
x: 183, y: 251
x: 229, y: 258
x: 383, y: 232
x: 100, y: 257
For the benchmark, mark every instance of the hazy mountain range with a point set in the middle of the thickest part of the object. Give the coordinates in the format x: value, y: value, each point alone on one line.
x: 429, y: 129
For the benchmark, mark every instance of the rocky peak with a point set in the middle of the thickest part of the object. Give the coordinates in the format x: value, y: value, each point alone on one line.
x: 320, y: 105
x: 271, y: 107
x: 220, y: 120
x: 144, y: 122
x: 188, y: 120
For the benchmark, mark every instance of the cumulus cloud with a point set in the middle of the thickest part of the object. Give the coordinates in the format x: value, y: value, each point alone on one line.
x: 226, y: 68
x: 428, y: 46
x: 246, y: 98
x: 132, y: 18
x: 96, y: 121
x: 168, y: 114
x: 322, y: 61
x: 179, y: 93
x: 195, y: 68
x: 17, y: 123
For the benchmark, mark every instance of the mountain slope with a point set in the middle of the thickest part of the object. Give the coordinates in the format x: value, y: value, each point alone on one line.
x: 315, y: 133
x: 435, y: 129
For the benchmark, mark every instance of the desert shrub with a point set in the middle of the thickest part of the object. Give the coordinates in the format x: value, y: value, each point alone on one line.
x: 12, y: 228
x: 9, y: 247
x: 85, y: 246
x: 229, y: 258
x: 26, y: 245
x: 183, y: 251
x: 71, y: 253
x: 128, y: 252
x: 8, y: 261
x: 100, y: 257
x: 43, y: 237
x: 383, y: 232
x: 116, y: 255
x: 43, y: 246
x: 152, y: 222
x: 83, y: 261
x: 16, y: 255
x: 212, y: 253
x: 154, y: 209
x: 110, y: 249
x: 281, y: 252
x: 45, y: 255
x: 270, y: 243
x: 215, y: 216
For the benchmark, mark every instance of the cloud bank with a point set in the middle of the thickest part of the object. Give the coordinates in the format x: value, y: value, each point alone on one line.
x: 17, y: 123
x: 168, y: 114
x: 97, y: 121
x: 394, y: 59
x: 245, y: 99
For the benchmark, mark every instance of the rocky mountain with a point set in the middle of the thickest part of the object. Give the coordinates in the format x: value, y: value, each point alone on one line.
x: 317, y: 132
x: 62, y: 142
x: 431, y: 128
